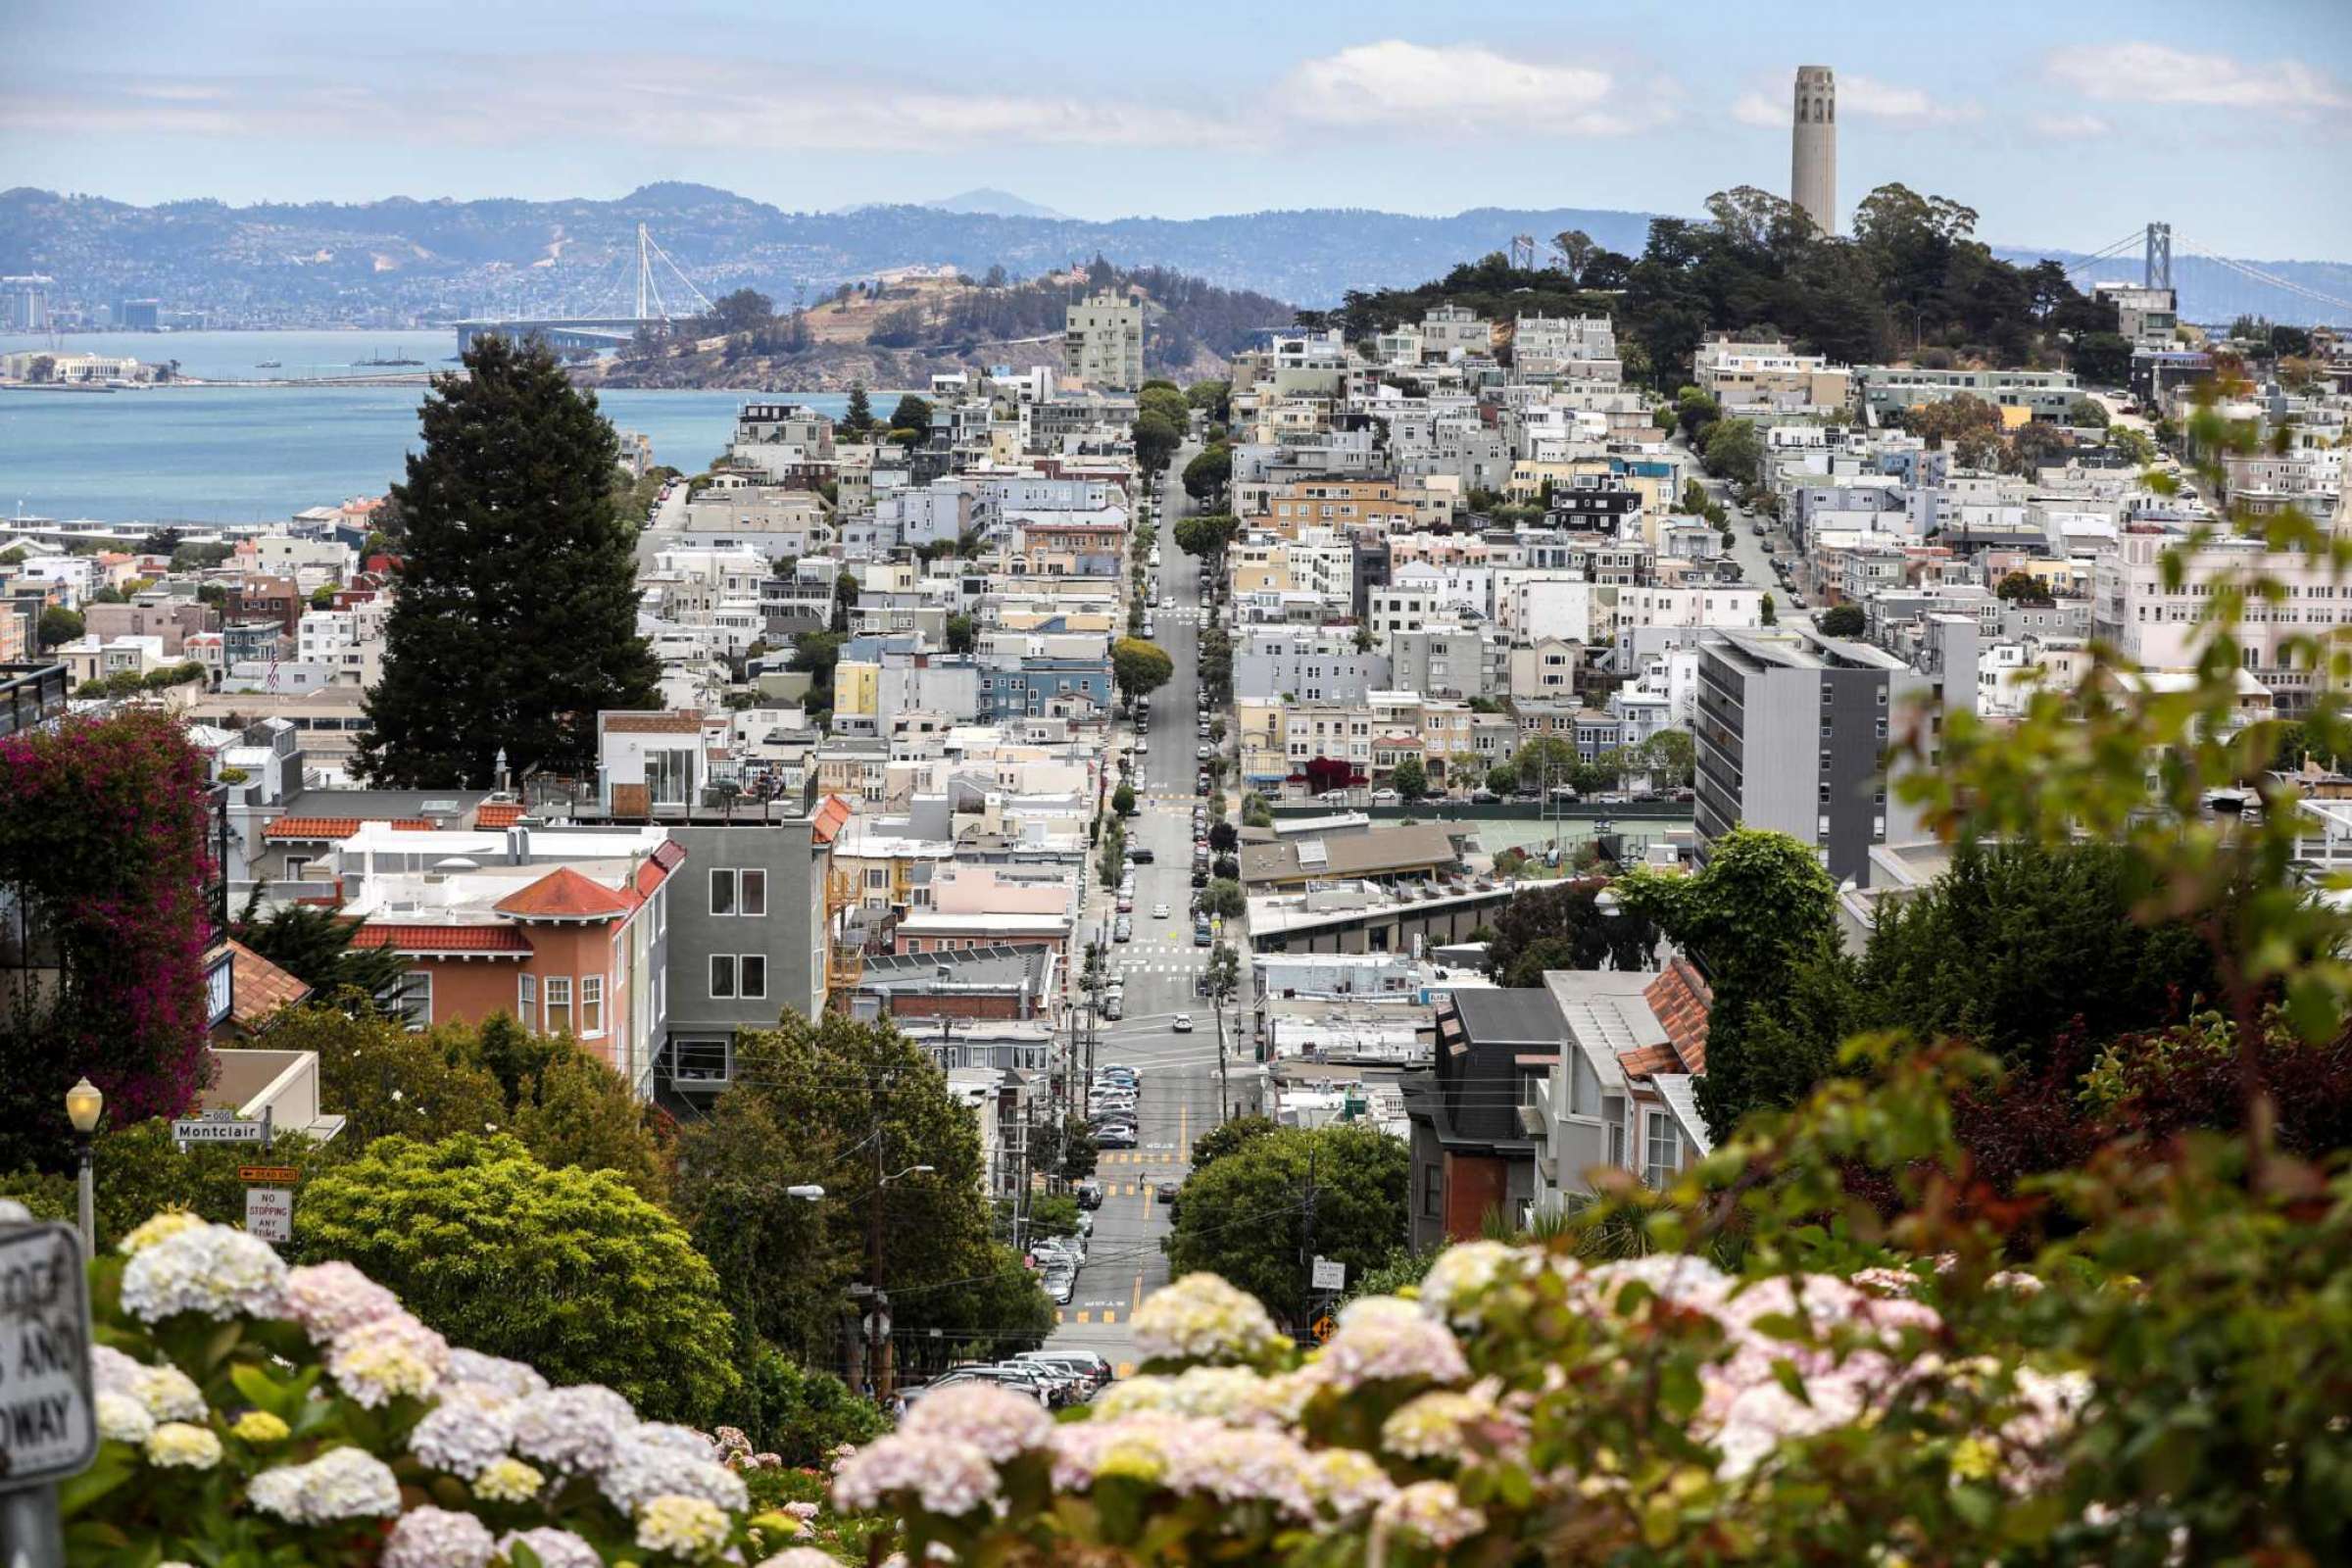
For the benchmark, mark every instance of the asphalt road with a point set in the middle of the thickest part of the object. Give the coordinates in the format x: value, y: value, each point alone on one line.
x: 1179, y: 1098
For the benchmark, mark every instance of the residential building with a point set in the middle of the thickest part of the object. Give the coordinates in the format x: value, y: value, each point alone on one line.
x: 1473, y: 1159
x: 1102, y: 344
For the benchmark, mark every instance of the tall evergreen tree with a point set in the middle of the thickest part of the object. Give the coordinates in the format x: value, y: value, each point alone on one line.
x: 860, y: 419
x: 516, y: 614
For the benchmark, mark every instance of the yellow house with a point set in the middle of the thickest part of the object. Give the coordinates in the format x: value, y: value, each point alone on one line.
x: 856, y: 687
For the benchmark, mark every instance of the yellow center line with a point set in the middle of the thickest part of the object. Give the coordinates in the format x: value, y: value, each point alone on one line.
x: 1184, y: 1114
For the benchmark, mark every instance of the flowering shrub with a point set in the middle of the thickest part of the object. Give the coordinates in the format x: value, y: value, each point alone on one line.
x: 254, y: 1414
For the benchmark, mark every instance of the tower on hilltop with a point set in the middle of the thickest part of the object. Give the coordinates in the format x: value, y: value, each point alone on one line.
x: 1813, y: 147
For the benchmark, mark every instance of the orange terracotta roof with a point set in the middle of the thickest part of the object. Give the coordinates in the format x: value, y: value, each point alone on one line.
x: 442, y: 938
x: 415, y: 825
x: 829, y: 819
x: 1680, y: 997
x: 259, y: 988
x: 565, y: 895
x: 677, y: 722
x: 311, y: 827
x: 497, y: 813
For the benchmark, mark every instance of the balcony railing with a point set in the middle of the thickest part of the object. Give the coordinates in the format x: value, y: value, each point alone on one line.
x: 31, y: 695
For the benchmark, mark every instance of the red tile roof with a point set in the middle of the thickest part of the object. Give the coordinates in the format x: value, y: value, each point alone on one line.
x: 442, y: 938
x: 497, y: 813
x: 676, y: 722
x: 311, y: 827
x: 1680, y: 997
x: 259, y: 988
x: 829, y: 819
x: 566, y: 895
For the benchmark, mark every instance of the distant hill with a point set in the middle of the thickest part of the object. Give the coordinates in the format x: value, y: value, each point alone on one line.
x: 995, y: 202
x: 402, y: 258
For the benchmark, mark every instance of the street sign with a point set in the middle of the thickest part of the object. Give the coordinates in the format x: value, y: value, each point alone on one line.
x: 208, y: 1130
x: 1324, y: 1327
x: 270, y: 1175
x: 269, y: 1213
x: 1330, y: 1275
x: 48, y: 1420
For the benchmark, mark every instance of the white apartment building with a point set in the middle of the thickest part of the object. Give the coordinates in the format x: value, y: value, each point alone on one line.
x: 1448, y: 332
x: 1582, y: 348
x: 348, y: 642
x: 2158, y: 627
x: 1724, y: 607
x: 1102, y: 342
x: 1770, y: 377
x: 1534, y: 603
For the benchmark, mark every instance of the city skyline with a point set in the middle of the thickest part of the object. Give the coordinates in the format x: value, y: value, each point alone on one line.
x: 2067, y: 140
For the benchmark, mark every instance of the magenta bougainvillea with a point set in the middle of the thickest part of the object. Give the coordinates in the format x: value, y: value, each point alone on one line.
x: 106, y: 848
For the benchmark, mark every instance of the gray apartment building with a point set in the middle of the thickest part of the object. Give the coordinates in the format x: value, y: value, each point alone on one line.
x: 1791, y: 729
x: 1445, y: 660
x: 1890, y: 388
x: 751, y: 895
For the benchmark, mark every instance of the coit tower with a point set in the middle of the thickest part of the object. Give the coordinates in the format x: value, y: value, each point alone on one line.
x: 1813, y: 147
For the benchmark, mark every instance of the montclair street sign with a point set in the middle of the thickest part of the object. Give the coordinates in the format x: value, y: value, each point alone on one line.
x: 221, y: 1127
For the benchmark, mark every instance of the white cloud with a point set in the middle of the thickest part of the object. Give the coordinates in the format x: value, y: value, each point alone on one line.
x: 2158, y: 73
x: 2072, y: 127
x: 1459, y: 87
x: 1860, y: 96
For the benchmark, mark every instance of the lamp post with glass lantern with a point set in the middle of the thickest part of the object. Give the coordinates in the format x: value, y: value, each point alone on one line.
x: 85, y: 1102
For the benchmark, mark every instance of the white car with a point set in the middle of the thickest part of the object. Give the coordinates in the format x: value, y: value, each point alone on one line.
x: 1183, y: 1024
x: 1160, y: 912
x: 1167, y: 602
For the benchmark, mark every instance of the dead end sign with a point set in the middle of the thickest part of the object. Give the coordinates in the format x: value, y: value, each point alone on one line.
x: 48, y: 1420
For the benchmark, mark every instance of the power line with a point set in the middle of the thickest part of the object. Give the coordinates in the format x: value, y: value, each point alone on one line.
x: 2256, y: 273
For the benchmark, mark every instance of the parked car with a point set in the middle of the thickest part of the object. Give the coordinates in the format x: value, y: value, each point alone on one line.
x: 1115, y: 1137
x: 1166, y: 1191
x: 1183, y: 1023
x: 1088, y: 1363
x: 1142, y: 856
x: 1199, y: 877
x: 1483, y: 798
x: 1089, y: 1193
x: 1386, y: 798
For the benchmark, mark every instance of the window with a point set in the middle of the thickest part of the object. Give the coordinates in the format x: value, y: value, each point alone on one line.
x: 1432, y: 1194
x: 413, y: 1000
x: 526, y: 1001
x: 296, y: 866
x: 1612, y: 1111
x: 592, y: 1005
x: 753, y: 967
x: 754, y: 894
x: 668, y: 775
x: 723, y: 891
x: 558, y: 1004
x: 1662, y: 1149
x: 723, y: 974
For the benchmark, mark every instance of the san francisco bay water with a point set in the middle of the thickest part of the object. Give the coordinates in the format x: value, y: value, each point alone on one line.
x: 258, y: 454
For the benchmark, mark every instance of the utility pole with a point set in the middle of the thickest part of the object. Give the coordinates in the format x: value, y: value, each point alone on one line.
x: 1306, y: 1250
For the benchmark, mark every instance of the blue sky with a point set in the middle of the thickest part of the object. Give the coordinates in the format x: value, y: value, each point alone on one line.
x: 2062, y: 123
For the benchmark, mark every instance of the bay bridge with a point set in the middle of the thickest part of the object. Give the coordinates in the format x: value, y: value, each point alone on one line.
x: 600, y: 332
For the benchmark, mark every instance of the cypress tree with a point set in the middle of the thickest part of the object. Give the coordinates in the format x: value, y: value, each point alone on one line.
x: 860, y: 419
x: 515, y: 617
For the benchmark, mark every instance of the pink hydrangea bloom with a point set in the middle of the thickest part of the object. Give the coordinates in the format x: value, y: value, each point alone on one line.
x: 557, y: 1549
x: 996, y: 1421
x: 328, y: 1298
x: 945, y: 1476
x: 386, y: 1358
x: 1384, y: 1339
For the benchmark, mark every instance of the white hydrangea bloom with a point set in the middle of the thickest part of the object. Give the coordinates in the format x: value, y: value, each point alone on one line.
x: 169, y: 1394
x: 946, y: 1475
x: 557, y: 1549
x: 340, y: 1484
x: 183, y: 1445
x: 1429, y: 1511
x: 123, y: 1419
x: 332, y: 1298
x: 684, y: 1527
x: 1381, y: 1339
x: 508, y: 1480
x: 470, y: 1427
x: 1461, y: 1275
x: 512, y: 1379
x: 996, y: 1421
x: 210, y: 1269
x: 1201, y: 1318
x: 436, y: 1537
x: 386, y: 1358
x: 1347, y: 1481
x: 575, y: 1428
x: 170, y: 1222
x: 644, y: 1466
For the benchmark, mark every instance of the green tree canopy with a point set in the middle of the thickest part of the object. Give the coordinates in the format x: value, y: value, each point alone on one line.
x: 569, y: 1270
x: 1844, y: 621
x: 1410, y: 778
x: 59, y: 625
x: 1224, y: 898
x: 2023, y: 587
x: 313, y: 945
x: 1207, y: 533
x: 1541, y: 758
x: 1157, y: 439
x: 1140, y: 667
x: 1209, y: 471
x: 1244, y: 1216
x: 1230, y: 1138
x: 911, y: 413
x: 1561, y: 927
x: 516, y: 615
x: 1734, y: 449
x: 858, y: 419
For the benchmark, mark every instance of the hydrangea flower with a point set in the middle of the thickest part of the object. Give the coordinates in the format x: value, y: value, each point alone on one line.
x: 210, y: 1269
x: 170, y: 1222
x: 1384, y: 1339
x: 803, y: 1511
x: 800, y: 1557
x: 1347, y: 1480
x: 684, y: 1527
x: 123, y: 1419
x: 1428, y: 1511
x: 470, y: 1427
x: 557, y: 1549
x: 183, y: 1445
x: 1248, y: 1467
x: 1432, y: 1426
x: 1461, y: 1275
x: 340, y: 1484
x: 508, y: 1481
x: 331, y: 1299
x: 436, y: 1537
x: 387, y: 1358
x: 642, y: 1468
x: 260, y: 1428
x: 575, y: 1428
x: 1148, y: 1447
x: 1201, y: 1318
x: 512, y: 1379
x: 996, y: 1421
x: 169, y: 1394
x: 946, y: 1475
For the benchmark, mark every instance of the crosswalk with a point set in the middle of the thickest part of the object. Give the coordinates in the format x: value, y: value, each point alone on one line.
x: 1066, y: 1315
x: 1164, y: 1154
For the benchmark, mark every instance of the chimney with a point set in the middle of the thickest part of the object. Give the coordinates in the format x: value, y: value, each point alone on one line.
x: 519, y: 845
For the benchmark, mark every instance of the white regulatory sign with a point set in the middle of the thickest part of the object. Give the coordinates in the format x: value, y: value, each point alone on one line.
x: 1330, y: 1275
x: 48, y: 1428
x: 269, y: 1213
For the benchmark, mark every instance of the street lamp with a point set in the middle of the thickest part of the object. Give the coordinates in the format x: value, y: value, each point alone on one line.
x: 807, y: 1193
x: 85, y: 1102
